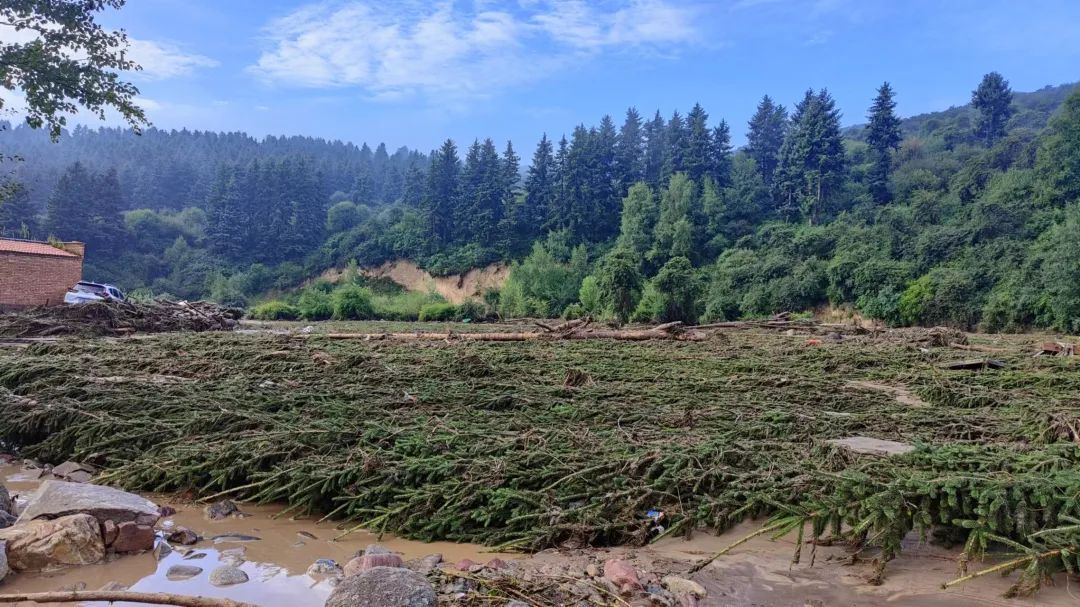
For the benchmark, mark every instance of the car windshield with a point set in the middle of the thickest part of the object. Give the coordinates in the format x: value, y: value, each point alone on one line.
x: 86, y: 287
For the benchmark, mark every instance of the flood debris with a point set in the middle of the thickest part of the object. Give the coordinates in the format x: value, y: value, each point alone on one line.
x: 116, y: 318
x: 865, y: 445
x: 975, y: 364
x: 1056, y: 348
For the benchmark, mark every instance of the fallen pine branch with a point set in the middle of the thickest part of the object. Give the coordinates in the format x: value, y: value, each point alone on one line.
x: 112, y: 596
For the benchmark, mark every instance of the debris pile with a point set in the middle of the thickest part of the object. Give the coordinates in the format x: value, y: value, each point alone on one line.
x: 115, y: 318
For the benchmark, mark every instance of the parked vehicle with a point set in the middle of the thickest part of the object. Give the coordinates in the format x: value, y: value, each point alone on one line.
x: 84, y: 292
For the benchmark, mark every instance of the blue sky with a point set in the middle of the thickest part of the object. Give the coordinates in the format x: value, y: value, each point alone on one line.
x: 413, y: 73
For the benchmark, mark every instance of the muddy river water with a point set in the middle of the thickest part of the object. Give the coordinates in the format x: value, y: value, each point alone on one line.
x: 758, y: 574
x: 276, y: 563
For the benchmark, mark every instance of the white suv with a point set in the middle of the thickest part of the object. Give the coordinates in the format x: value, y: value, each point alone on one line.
x: 84, y: 292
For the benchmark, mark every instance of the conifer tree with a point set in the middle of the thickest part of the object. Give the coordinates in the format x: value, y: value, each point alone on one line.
x: 698, y: 146
x: 812, y: 162
x: 993, y: 100
x: 883, y: 136
x: 638, y: 220
x: 539, y: 199
x: 441, y: 193
x: 720, y: 154
x: 629, y: 152
x: 765, y: 137
x: 656, y: 150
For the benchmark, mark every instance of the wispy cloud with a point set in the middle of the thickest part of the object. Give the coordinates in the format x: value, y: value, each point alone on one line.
x: 393, y: 50
x: 161, y: 60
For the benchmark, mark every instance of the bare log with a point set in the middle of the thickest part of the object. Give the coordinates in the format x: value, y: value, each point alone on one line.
x: 620, y: 335
x: 977, y: 348
x: 112, y: 596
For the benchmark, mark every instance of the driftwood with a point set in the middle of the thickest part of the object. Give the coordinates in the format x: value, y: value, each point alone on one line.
x: 112, y: 596
x: 575, y: 329
x: 977, y: 348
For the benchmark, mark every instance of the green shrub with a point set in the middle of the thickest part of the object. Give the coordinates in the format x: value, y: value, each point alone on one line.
x: 352, y: 303
x: 472, y: 310
x: 315, y: 304
x: 438, y: 312
x: 914, y: 300
x: 402, y: 305
x: 574, y: 311
x: 589, y: 296
x: 274, y: 310
x: 650, y: 307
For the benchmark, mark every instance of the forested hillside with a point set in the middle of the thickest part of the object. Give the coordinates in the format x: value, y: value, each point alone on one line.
x: 970, y: 216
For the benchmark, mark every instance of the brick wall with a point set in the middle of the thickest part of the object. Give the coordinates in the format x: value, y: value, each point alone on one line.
x: 36, y: 280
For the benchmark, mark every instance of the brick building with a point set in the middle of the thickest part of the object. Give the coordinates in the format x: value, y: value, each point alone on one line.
x: 37, y: 273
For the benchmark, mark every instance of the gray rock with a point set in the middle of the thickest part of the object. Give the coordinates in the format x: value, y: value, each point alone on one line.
x: 177, y: 573
x: 227, y: 575
x: 74, y: 471
x: 324, y: 567
x: 184, y: 536
x: 7, y: 520
x: 221, y: 510
x: 3, y: 561
x: 162, y: 550
x: 55, y: 499
x: 5, y: 500
x: 425, y: 565
x: 384, y: 587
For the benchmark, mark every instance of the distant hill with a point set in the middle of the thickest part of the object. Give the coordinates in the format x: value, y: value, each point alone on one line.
x: 1033, y: 110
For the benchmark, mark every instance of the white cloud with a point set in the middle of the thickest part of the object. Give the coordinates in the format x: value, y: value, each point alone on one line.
x: 393, y: 50
x: 160, y: 60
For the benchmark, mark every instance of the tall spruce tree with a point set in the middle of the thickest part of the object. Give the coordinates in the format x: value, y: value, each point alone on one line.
x: 656, y: 150
x: 883, y: 136
x: 765, y: 137
x: 479, y: 207
x: 697, y: 162
x: 629, y: 152
x: 812, y: 162
x: 677, y: 140
x: 993, y: 100
x: 720, y: 154
x: 441, y: 193
x: 539, y: 200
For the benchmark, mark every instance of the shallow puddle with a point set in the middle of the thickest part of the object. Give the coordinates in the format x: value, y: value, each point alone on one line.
x: 276, y: 563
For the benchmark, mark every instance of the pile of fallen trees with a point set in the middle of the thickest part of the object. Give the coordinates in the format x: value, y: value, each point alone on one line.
x: 113, y: 318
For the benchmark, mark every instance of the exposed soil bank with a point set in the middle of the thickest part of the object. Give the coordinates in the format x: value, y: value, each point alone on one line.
x: 455, y: 288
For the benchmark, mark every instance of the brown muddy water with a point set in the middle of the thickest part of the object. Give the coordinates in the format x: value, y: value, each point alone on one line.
x: 757, y: 574
x: 276, y: 564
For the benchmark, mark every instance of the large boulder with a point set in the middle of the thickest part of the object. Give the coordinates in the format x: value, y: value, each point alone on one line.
x: 384, y: 587
x: 48, y: 544
x: 55, y: 499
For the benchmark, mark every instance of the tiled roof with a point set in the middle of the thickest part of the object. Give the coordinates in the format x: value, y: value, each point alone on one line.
x: 27, y: 247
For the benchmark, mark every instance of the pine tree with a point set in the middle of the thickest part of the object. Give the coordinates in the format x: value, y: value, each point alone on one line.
x: 18, y: 217
x: 225, y: 228
x: 720, y: 154
x: 539, y: 199
x: 511, y: 175
x: 993, y: 100
x: 629, y: 152
x: 677, y: 140
x: 698, y: 150
x: 656, y: 150
x: 440, y: 195
x: 479, y: 207
x: 765, y: 137
x: 812, y: 161
x: 883, y: 136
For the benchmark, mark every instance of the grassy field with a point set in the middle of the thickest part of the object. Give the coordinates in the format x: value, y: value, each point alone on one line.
x: 536, y: 444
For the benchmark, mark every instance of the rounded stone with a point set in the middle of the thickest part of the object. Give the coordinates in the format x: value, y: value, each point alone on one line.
x: 227, y: 575
x: 177, y: 573
x: 384, y: 587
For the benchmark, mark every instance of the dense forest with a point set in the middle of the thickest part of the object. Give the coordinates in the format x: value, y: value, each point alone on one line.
x: 967, y: 217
